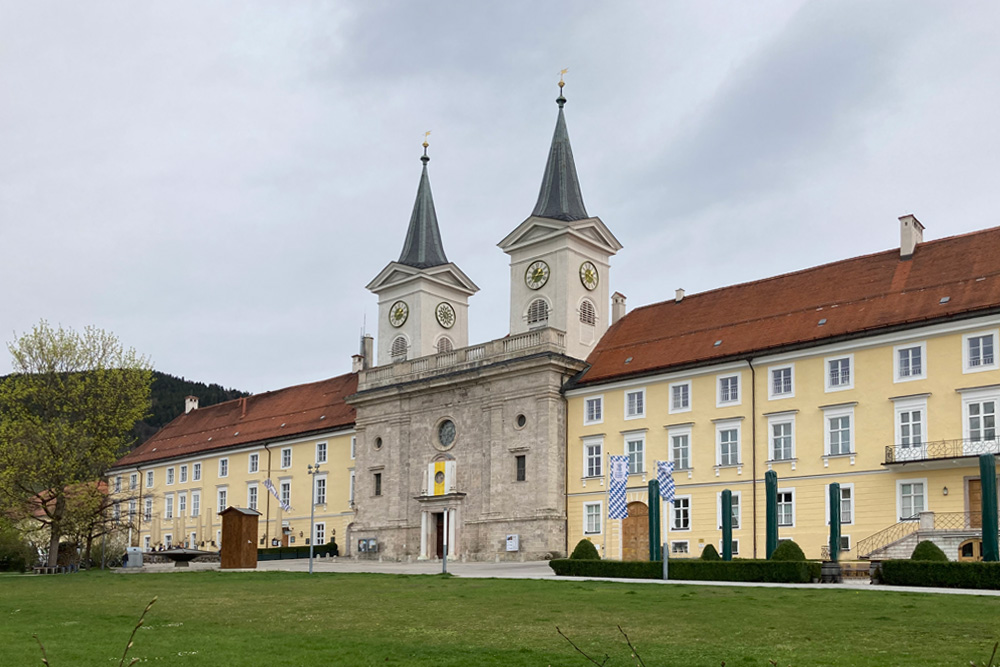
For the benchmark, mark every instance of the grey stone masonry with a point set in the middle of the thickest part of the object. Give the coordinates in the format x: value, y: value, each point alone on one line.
x: 504, y: 400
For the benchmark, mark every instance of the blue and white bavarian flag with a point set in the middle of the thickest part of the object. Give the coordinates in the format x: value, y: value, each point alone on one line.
x: 665, y: 475
x: 618, y: 467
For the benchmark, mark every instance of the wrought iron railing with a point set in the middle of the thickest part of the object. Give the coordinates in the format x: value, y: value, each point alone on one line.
x: 941, y: 449
x: 884, y: 538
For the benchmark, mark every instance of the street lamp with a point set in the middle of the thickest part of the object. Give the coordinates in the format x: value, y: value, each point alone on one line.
x: 313, y: 471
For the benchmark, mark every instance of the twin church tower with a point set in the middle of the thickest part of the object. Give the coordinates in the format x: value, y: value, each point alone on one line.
x: 559, y: 265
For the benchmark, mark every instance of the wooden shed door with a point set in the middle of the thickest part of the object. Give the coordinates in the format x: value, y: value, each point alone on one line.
x: 635, y: 533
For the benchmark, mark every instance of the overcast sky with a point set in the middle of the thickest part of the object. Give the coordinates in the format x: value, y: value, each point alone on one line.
x: 216, y: 182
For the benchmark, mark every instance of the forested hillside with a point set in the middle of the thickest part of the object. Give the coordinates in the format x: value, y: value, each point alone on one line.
x: 168, y: 397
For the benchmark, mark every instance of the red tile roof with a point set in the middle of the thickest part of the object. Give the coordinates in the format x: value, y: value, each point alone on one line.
x: 857, y: 296
x: 281, y: 414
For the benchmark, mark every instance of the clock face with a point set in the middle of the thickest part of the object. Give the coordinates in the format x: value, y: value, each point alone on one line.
x: 588, y: 275
x: 536, y: 275
x: 445, y: 315
x: 398, y: 313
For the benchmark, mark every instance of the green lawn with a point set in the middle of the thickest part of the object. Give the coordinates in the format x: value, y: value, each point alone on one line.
x: 277, y: 618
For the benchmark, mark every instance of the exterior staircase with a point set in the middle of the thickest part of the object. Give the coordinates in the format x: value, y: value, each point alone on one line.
x: 947, y: 530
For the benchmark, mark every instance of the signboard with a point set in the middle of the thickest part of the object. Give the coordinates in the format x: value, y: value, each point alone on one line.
x: 513, y: 543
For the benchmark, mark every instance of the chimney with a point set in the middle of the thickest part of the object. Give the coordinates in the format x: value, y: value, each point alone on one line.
x: 368, y: 350
x: 911, y: 232
x: 190, y: 403
x: 679, y: 295
x: 357, y: 363
x: 617, y: 306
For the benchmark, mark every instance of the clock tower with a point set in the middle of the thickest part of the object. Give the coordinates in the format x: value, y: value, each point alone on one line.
x: 560, y: 256
x: 423, y: 299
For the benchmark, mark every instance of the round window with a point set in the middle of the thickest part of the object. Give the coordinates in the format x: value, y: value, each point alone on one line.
x: 378, y: 443
x: 439, y: 477
x: 521, y: 421
x: 446, y: 433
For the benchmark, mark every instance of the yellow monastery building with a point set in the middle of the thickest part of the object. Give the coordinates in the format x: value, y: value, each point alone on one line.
x: 878, y: 372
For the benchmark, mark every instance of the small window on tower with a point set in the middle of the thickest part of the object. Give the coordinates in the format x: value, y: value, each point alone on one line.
x: 398, y: 349
x: 538, y: 313
x: 444, y: 345
x: 588, y: 314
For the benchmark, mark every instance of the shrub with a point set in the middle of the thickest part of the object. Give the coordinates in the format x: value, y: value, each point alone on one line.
x: 788, y: 551
x: 691, y: 570
x: 710, y: 553
x: 585, y: 550
x: 968, y: 574
x: 16, y: 553
x: 927, y: 550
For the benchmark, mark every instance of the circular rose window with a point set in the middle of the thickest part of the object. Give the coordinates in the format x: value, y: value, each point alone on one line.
x: 446, y: 433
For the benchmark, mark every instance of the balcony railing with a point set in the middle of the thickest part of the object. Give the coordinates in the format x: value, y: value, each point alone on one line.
x: 941, y: 449
x: 965, y: 522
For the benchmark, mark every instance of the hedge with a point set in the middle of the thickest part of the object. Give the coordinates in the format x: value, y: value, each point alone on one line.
x: 287, y: 553
x: 692, y: 570
x: 966, y: 574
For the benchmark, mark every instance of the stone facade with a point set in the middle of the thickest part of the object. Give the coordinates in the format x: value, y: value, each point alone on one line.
x: 504, y: 399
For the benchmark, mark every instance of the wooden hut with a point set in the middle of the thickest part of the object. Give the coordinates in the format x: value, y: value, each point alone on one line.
x: 239, y: 538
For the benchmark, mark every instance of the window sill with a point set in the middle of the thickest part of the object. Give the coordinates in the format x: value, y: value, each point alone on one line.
x: 720, y: 467
x: 774, y: 462
x: 584, y: 480
x: 848, y: 455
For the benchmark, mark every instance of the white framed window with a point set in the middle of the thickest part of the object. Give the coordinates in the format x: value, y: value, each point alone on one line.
x: 786, y: 507
x: 909, y: 362
x: 680, y: 397
x: 845, y: 542
x: 118, y: 484
x: 133, y: 481
x: 680, y: 447
x: 132, y: 507
x: 321, y: 489
x: 252, y: 496
x: 635, y: 449
x: 727, y: 443
x: 728, y: 392
x: 979, y: 412
x: 781, y: 437
x: 737, y: 504
x: 911, y: 497
x: 286, y: 457
x: 911, y: 425
x: 351, y: 490
x: 593, y: 410
x: 253, y: 463
x: 285, y: 491
x: 149, y: 479
x: 170, y: 476
x: 168, y: 506
x: 223, y: 499
x: 195, y: 503
x: 592, y: 516
x: 735, y: 546
x: 839, y: 372
x: 846, y: 503
x: 354, y: 446
x: 147, y: 513
x: 193, y: 540
x: 147, y: 543
x: 838, y: 431
x: 680, y: 513
x: 320, y: 452
x: 679, y: 547
x: 593, y: 457
x: 196, y: 472
x: 182, y: 501
x: 979, y: 351
x: 635, y: 403
x: 319, y: 533
x: 781, y: 382
x: 168, y: 540
x: 184, y: 474
x: 223, y: 467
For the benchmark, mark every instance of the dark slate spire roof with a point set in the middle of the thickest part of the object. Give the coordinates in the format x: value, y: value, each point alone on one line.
x: 423, y: 248
x: 560, y: 196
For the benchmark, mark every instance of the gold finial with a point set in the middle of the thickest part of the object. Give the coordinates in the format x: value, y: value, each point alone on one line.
x: 426, y: 134
x: 561, y: 72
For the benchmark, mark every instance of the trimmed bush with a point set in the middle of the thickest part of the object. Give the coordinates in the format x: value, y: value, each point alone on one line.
x: 788, y: 551
x: 967, y: 574
x: 692, y: 570
x: 927, y: 550
x: 710, y: 553
x: 585, y: 550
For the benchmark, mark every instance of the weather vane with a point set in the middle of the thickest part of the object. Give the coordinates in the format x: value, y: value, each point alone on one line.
x: 561, y: 72
x: 425, y: 158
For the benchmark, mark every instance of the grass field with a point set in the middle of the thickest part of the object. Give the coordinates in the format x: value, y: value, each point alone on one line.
x: 279, y: 618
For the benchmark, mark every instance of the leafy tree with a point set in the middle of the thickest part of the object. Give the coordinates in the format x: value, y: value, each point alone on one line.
x: 65, y: 416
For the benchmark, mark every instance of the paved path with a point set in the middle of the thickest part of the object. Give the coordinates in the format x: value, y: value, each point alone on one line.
x: 526, y: 570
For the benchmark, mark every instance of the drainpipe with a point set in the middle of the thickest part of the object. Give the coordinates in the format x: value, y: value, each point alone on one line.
x: 267, y: 506
x: 753, y: 447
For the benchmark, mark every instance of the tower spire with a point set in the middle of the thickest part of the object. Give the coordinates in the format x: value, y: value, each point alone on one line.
x: 422, y: 248
x: 560, y: 197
